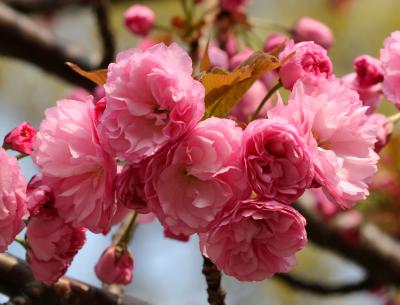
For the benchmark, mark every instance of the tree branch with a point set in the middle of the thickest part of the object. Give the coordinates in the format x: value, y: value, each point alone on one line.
x: 16, y: 281
x: 216, y: 294
x: 377, y: 252
x: 317, y: 288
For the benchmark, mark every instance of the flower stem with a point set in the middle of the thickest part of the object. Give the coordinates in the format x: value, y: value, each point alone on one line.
x: 216, y: 294
x: 21, y: 156
x: 394, y: 118
x: 265, y: 99
x: 22, y: 242
x: 128, y: 234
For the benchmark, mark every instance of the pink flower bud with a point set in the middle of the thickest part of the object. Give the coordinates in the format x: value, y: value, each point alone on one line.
x: 233, y: 5
x: 139, y: 19
x: 310, y: 63
x: 240, y: 58
x: 21, y: 138
x: 99, y: 109
x: 180, y: 237
x: 273, y: 41
x: 309, y: 29
x: 369, y: 70
x: 115, y: 266
x: 218, y: 57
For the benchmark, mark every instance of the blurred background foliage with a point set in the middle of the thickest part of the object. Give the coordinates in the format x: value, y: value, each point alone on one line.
x: 168, y: 272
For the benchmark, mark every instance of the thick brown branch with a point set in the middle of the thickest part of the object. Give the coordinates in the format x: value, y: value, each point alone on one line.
x: 318, y: 288
x: 24, y: 39
x: 16, y: 281
x: 42, y: 6
x: 378, y: 253
x: 216, y: 294
x: 101, y: 9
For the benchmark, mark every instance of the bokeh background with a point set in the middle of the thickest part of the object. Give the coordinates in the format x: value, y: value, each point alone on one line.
x: 168, y: 272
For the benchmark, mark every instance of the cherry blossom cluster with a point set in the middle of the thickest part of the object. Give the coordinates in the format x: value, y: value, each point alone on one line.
x: 145, y: 143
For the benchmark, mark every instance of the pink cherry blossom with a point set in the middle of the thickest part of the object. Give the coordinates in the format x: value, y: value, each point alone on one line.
x: 310, y: 63
x: 309, y: 29
x: 179, y: 237
x: 21, y: 138
x: 12, y: 199
x: 390, y: 58
x: 326, y: 208
x: 139, y: 19
x: 330, y: 117
x: 255, y: 240
x: 370, y: 96
x: 368, y: 69
x: 52, y: 246
x: 74, y: 165
x: 381, y: 128
x: 218, y: 57
x: 273, y: 41
x: 38, y: 195
x: 248, y: 104
x: 188, y: 186
x: 130, y: 187
x: 152, y: 100
x: 239, y: 58
x: 278, y: 163
x: 115, y: 266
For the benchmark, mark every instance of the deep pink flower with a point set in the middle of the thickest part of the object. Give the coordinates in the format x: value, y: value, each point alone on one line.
x: 179, y: 237
x: 370, y: 96
x: 188, y: 186
x: 115, y: 266
x: 255, y: 240
x: 248, y: 104
x: 12, y: 199
x: 130, y: 187
x: 40, y: 199
x: 273, y: 41
x: 52, y: 246
x: 139, y: 19
x: 74, y: 165
x: 309, y: 29
x: 310, y: 63
x: 152, y: 100
x: 330, y: 118
x: 390, y: 58
x: 21, y: 138
x: 278, y: 163
x: 233, y: 5
x: 368, y: 69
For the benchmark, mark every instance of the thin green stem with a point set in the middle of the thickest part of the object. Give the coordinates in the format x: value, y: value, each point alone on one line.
x: 125, y: 239
x: 394, y: 118
x: 21, y: 241
x: 21, y: 156
x: 265, y: 99
x: 257, y: 22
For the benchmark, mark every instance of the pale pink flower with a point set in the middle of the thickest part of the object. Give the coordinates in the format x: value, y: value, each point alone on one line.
x: 115, y: 266
x: 309, y: 29
x: 278, y: 163
x: 77, y: 94
x: 218, y: 57
x: 239, y: 58
x: 310, y: 63
x: 52, y: 246
x: 21, y: 138
x: 255, y: 240
x: 12, y: 199
x: 273, y: 41
x: 390, y: 58
x: 248, y: 104
x: 146, y: 43
x: 188, y: 186
x: 325, y: 207
x: 139, y: 19
x: 130, y: 187
x: 381, y: 128
x: 74, y: 165
x: 369, y: 95
x: 233, y: 5
x: 330, y: 117
x: 152, y: 100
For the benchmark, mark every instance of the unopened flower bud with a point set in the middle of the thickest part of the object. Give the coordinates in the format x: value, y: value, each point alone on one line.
x: 21, y: 138
x: 309, y: 29
x: 139, y: 19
